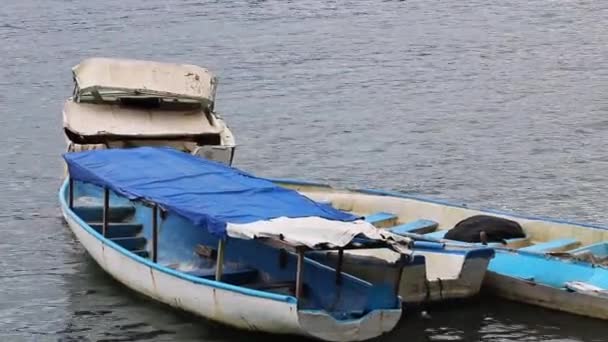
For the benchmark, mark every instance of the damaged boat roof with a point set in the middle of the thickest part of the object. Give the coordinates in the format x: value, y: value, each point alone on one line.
x: 89, y: 119
x: 108, y: 78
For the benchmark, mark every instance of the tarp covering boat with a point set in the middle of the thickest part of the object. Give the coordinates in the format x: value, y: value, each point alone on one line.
x: 216, y: 197
x: 111, y: 119
x: 145, y: 78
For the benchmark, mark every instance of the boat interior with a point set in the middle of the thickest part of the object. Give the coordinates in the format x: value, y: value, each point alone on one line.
x: 250, y: 264
x: 428, y: 219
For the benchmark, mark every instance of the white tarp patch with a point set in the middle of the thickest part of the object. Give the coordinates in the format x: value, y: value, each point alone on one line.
x: 309, y: 231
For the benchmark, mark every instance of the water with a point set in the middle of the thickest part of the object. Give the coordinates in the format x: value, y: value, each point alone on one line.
x: 497, y: 104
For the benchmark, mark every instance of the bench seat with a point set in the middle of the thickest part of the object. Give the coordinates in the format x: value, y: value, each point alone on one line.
x: 512, y: 243
x: 418, y: 227
x: 439, y: 234
x: 382, y: 219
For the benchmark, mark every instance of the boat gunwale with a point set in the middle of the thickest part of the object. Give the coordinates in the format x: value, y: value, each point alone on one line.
x: 389, y: 193
x: 163, y: 269
x: 544, y: 255
x: 478, y: 252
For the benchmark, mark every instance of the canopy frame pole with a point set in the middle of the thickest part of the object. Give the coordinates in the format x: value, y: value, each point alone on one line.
x: 71, y: 193
x: 339, y: 266
x: 299, y: 273
x: 106, y: 211
x: 219, y: 266
x: 155, y: 233
x: 401, y: 265
x: 398, y: 280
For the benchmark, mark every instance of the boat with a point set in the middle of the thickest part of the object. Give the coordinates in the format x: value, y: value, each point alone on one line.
x: 558, y: 264
x: 447, y: 272
x: 121, y: 103
x: 210, y: 239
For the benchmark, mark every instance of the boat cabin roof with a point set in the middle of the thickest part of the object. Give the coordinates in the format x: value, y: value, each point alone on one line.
x: 113, y: 120
x: 221, y: 199
x: 110, y: 79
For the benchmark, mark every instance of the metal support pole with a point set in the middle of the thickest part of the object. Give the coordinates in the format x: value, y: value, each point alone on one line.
x: 398, y: 281
x: 299, y: 273
x: 155, y: 233
x: 219, y: 266
x: 399, y: 274
x: 339, y: 266
x: 106, y: 211
x: 71, y: 193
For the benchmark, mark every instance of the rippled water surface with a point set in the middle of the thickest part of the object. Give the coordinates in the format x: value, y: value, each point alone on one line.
x: 499, y: 104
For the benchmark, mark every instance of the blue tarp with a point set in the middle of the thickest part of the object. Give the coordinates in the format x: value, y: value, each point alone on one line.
x: 207, y: 193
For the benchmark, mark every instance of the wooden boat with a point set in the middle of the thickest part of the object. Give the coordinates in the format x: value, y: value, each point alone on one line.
x: 120, y: 103
x: 558, y: 265
x: 207, y: 238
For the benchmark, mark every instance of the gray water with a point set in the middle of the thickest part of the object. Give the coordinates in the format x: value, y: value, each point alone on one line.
x: 499, y: 104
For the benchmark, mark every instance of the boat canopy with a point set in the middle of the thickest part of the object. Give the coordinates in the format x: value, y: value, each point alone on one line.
x: 87, y: 119
x: 108, y: 79
x: 221, y: 199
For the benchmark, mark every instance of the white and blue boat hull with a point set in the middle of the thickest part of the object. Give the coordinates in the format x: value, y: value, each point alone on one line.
x: 217, y: 301
x: 543, y: 280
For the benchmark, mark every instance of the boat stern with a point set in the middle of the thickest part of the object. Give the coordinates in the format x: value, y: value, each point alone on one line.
x: 321, y: 325
x: 453, y: 272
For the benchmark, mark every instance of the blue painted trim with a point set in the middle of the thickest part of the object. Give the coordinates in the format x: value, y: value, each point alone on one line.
x: 545, y: 256
x: 438, y: 234
x: 550, y: 245
x: 380, y: 217
x: 446, y: 203
x: 429, y: 245
x: 481, y: 252
x: 417, y: 260
x: 137, y: 258
x: 415, y: 226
